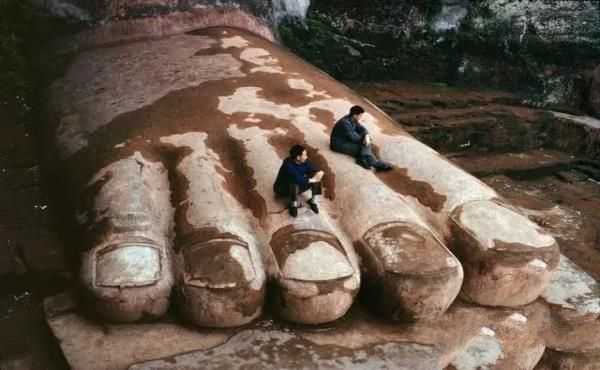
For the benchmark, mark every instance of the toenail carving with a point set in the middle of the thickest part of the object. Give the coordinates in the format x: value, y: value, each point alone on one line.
x: 317, y: 282
x: 508, y: 259
x: 128, y: 265
x: 218, y: 264
x: 409, y: 274
x: 221, y: 284
x: 311, y: 255
x: 317, y: 262
x: 402, y: 248
x: 495, y: 226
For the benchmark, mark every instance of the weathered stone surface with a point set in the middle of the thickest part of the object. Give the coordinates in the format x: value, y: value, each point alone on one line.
x: 532, y: 47
x: 273, y: 349
x: 555, y: 360
x: 90, y: 345
x: 594, y: 93
x: 574, y: 299
x: 578, y: 134
x: 360, y: 342
x: 511, y: 343
x: 151, y: 171
x: 508, y: 260
x: 409, y: 274
x: 317, y: 282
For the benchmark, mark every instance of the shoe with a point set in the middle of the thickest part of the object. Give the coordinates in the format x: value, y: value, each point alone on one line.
x: 313, y: 206
x: 382, y: 167
x: 361, y: 162
x: 293, y: 211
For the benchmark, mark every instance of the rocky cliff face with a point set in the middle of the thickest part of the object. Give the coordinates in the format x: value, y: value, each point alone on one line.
x: 543, y: 49
x: 103, y: 11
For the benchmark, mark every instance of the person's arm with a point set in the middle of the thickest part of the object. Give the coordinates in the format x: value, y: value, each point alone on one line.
x: 315, y: 175
x: 350, y: 132
x: 361, y: 130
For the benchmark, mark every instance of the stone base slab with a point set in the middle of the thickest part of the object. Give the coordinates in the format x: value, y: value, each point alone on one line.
x: 357, y: 341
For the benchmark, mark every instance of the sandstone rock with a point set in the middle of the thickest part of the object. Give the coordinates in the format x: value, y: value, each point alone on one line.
x: 576, y: 134
x: 464, y: 338
x: 504, y: 265
x: 88, y: 345
x: 555, y: 360
x: 507, y: 43
x: 574, y: 299
x: 561, y: 91
x: 273, y: 349
x: 594, y: 93
x: 512, y: 343
x: 360, y: 341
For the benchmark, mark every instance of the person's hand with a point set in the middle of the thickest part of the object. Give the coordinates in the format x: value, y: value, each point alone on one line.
x: 318, y: 176
x: 367, y: 140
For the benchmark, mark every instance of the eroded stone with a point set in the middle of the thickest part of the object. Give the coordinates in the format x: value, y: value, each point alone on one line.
x: 409, y: 274
x: 574, y: 300
x: 508, y: 260
x: 283, y: 350
x: 128, y: 265
x: 507, y: 344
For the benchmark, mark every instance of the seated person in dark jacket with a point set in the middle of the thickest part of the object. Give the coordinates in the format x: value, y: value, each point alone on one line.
x: 297, y: 175
x: 352, y: 138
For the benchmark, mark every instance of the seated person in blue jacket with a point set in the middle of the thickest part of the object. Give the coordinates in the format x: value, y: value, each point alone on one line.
x: 296, y: 176
x: 352, y: 138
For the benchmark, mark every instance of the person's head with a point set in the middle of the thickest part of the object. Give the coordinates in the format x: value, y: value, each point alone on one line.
x: 356, y: 111
x: 298, y: 153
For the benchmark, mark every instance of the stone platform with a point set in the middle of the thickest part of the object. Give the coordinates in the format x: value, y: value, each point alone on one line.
x: 467, y: 337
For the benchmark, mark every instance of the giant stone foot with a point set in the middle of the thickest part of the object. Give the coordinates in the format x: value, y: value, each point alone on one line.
x: 169, y: 148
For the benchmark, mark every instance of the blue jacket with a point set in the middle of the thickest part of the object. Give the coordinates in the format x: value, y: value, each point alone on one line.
x: 292, y: 172
x: 347, y: 130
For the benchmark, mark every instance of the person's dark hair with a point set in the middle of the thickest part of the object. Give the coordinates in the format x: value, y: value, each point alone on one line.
x: 296, y: 151
x: 357, y: 109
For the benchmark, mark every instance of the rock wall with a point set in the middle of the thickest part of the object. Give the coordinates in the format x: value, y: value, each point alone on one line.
x: 542, y: 49
x: 96, y: 12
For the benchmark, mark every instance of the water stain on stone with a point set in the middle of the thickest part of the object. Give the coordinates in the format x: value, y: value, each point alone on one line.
x: 517, y: 253
x: 206, y: 234
x: 179, y: 185
x: 399, y: 181
x: 195, y: 109
x: 240, y: 181
x: 212, y: 263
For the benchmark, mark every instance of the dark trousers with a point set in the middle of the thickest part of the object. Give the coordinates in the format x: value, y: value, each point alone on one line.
x: 293, y: 190
x: 358, y: 151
